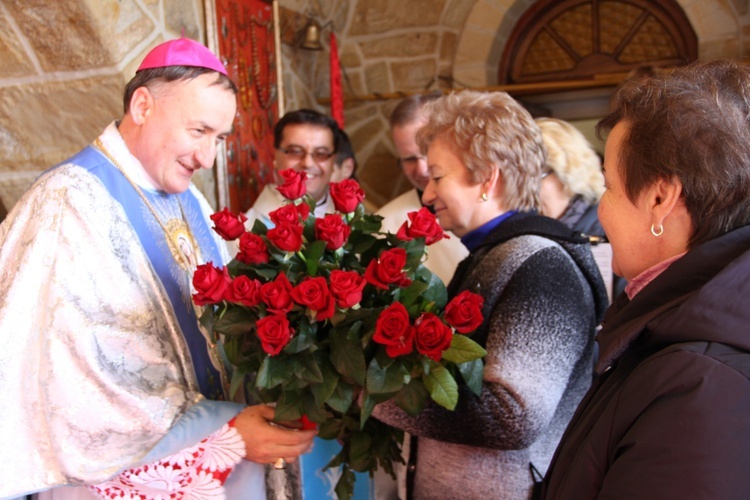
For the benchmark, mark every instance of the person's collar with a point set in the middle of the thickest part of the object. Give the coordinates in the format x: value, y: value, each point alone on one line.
x: 639, y: 282
x: 475, y: 237
x: 115, y: 145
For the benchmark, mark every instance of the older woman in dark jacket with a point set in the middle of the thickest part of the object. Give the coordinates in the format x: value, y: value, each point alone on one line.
x: 667, y: 416
x: 543, y: 299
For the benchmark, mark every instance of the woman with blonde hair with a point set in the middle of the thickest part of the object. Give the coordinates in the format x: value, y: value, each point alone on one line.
x: 572, y: 184
x: 543, y: 297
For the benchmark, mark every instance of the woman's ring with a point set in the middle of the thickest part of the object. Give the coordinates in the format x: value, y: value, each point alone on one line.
x: 279, y: 464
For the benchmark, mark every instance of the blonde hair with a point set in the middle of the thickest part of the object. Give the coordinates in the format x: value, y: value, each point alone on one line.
x: 490, y: 130
x: 572, y: 159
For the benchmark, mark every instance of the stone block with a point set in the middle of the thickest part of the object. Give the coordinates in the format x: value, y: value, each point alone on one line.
x: 386, y: 15
x: 448, y: 45
x: 43, y: 137
x: 456, y: 13
x: 61, y: 44
x: 414, y: 75
x: 121, y: 26
x: 485, y: 17
x: 181, y: 14
x: 377, y: 78
x: 15, y: 61
x: 406, y: 45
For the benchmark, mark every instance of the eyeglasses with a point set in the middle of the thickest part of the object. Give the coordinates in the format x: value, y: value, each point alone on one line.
x: 410, y: 161
x: 296, y: 153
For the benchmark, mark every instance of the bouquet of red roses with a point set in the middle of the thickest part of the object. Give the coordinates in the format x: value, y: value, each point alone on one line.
x: 326, y: 317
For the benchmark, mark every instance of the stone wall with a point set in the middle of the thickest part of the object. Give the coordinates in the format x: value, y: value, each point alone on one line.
x: 63, y: 66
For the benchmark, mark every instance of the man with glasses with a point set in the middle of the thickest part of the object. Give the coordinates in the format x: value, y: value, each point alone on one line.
x: 307, y: 141
x: 406, y: 120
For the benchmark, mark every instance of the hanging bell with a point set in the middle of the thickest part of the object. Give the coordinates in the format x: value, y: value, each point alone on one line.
x: 311, y: 41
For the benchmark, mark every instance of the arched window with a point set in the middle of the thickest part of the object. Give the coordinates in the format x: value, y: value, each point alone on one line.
x: 575, y: 39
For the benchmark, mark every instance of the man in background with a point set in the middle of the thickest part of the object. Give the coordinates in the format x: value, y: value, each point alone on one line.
x: 307, y: 141
x: 406, y: 120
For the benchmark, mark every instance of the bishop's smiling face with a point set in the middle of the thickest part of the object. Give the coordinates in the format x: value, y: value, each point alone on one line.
x: 184, y: 123
x: 310, y: 140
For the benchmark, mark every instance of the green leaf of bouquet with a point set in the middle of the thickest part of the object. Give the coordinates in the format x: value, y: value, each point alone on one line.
x: 207, y: 318
x: 237, y: 380
x: 435, y: 292
x: 360, y: 242
x: 442, y: 386
x: 407, y: 296
x: 232, y: 349
x: 273, y: 371
x: 414, y: 253
x: 473, y: 373
x: 463, y: 350
x: 387, y: 380
x: 330, y: 428
x: 312, y: 410
x: 324, y: 390
x: 360, y: 456
x: 288, y: 407
x: 235, y: 321
x: 412, y: 397
x: 311, y: 372
x: 259, y: 228
x: 342, y: 397
x: 347, y: 357
x: 345, y: 485
x: 313, y: 254
x: 304, y: 338
x: 368, y: 404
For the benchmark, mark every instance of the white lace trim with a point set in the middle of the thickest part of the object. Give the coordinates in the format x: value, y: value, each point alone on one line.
x: 195, y: 473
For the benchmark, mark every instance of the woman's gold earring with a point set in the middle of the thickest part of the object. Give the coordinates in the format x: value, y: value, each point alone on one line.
x: 484, y: 197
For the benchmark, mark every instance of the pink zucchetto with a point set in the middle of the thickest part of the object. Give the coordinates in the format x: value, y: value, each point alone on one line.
x: 182, y: 52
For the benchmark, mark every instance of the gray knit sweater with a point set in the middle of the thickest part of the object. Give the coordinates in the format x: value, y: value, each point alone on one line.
x: 543, y: 299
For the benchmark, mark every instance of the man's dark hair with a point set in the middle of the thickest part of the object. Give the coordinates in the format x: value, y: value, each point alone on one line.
x: 148, y: 77
x: 306, y: 117
x: 345, y: 151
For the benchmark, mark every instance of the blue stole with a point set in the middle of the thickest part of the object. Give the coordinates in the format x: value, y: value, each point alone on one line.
x: 174, y: 278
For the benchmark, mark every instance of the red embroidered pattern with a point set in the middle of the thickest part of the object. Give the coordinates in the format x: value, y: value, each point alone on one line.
x: 195, y: 473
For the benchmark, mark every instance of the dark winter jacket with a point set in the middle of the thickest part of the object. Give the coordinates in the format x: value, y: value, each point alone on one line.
x: 669, y: 413
x: 543, y: 299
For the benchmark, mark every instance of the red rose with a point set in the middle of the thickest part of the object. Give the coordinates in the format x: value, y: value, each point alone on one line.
x: 252, y: 249
x: 346, y: 195
x: 464, y: 312
x: 346, y: 287
x: 274, y: 333
x: 290, y: 214
x: 307, y: 424
x: 294, y: 184
x: 210, y: 284
x: 229, y: 225
x: 286, y: 237
x: 423, y: 225
x: 432, y: 337
x: 393, y: 330
x: 333, y: 230
x: 277, y: 294
x: 313, y: 293
x: 388, y: 269
x: 244, y: 290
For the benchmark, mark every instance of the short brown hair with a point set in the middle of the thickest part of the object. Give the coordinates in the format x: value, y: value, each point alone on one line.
x: 409, y: 109
x: 490, y: 130
x: 691, y: 124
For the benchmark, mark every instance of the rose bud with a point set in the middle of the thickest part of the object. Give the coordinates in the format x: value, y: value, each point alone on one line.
x: 274, y: 333
x: 294, y: 184
x: 286, y: 237
x: 289, y: 214
x: 388, y: 269
x: 333, y: 230
x: 252, y: 249
x: 464, y: 312
x: 228, y: 225
x: 346, y: 287
x: 277, y: 294
x: 313, y: 293
x: 423, y: 225
x: 243, y: 290
x: 210, y: 283
x: 393, y: 330
x: 346, y: 195
x: 432, y: 337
